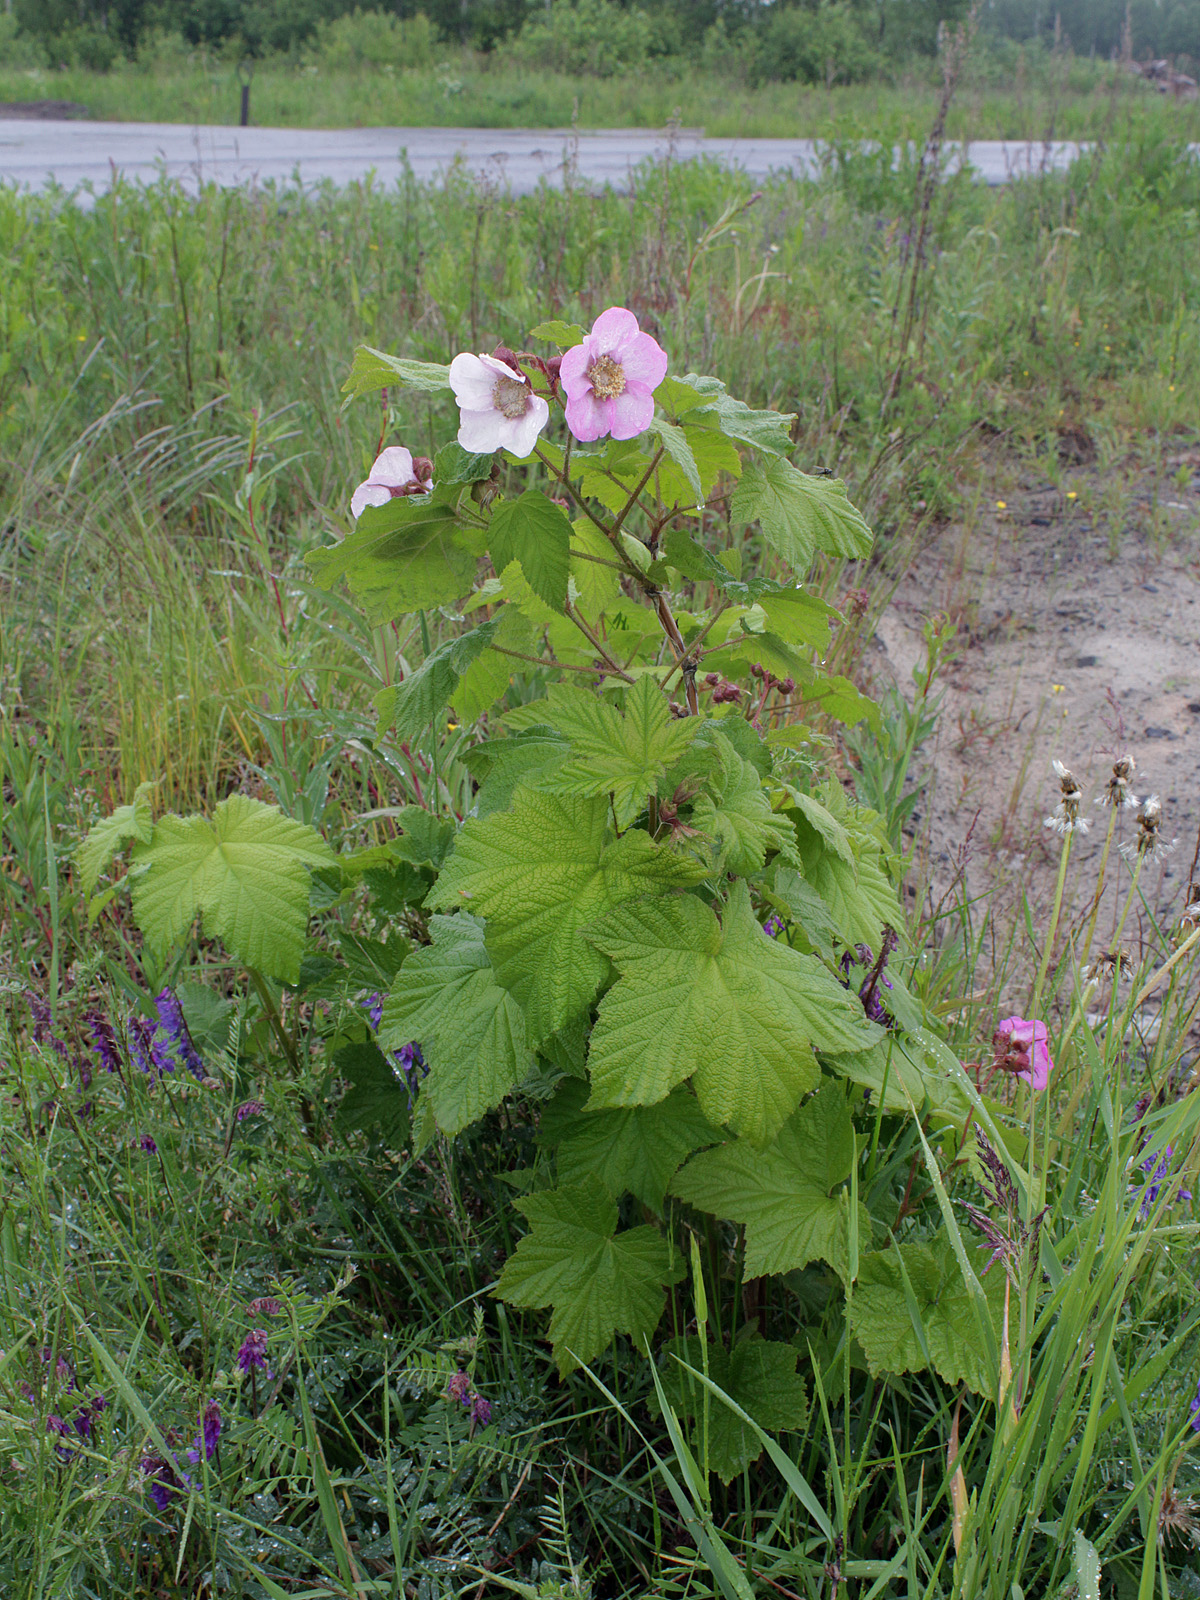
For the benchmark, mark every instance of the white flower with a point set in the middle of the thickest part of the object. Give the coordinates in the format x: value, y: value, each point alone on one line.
x: 1065, y: 817
x: 1118, y: 791
x: 497, y: 408
x: 1149, y: 844
x: 392, y: 474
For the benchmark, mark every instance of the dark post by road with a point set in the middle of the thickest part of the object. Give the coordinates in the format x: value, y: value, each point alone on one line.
x: 245, y: 73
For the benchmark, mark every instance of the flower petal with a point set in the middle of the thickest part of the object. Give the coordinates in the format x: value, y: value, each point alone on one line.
x: 480, y: 432
x: 472, y: 382
x: 613, y: 332
x: 574, y: 365
x: 521, y: 435
x: 645, y: 361
x: 393, y: 467
x: 588, y: 418
x: 632, y: 412
x: 368, y: 494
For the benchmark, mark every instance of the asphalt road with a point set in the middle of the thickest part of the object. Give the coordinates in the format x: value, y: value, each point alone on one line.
x: 76, y: 154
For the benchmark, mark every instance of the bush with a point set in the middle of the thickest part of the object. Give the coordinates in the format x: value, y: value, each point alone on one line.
x: 17, y: 50
x: 164, y: 50
x: 94, y: 49
x: 373, y: 39
x: 592, y: 38
x: 825, y: 45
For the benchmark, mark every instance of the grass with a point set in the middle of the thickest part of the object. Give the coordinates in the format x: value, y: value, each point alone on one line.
x: 171, y: 442
x: 1070, y: 100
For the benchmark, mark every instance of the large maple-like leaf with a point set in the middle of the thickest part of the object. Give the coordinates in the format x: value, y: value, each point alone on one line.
x: 790, y: 1196
x: 539, y: 874
x: 721, y: 1003
x: 622, y: 756
x: 799, y: 514
x: 534, y: 531
x: 632, y: 1148
x: 245, y: 872
x: 105, y: 838
x: 470, y: 1029
x: 757, y: 1374
x: 882, y: 1315
x: 598, y: 1281
x: 401, y: 557
x: 736, y: 813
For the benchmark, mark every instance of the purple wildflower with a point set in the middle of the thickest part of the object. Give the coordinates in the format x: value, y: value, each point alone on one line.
x: 141, y: 1046
x: 61, y: 1430
x: 172, y: 1037
x: 249, y: 1108
x: 103, y: 1039
x: 373, y: 1006
x: 146, y: 1143
x: 161, y: 1479
x: 1195, y: 1410
x: 267, y: 1306
x: 481, y: 1411
x: 43, y: 1026
x: 459, y: 1388
x: 253, y: 1352
x: 210, y: 1433
x: 85, y: 1417
x: 773, y: 926
x: 1158, y: 1167
x: 411, y: 1063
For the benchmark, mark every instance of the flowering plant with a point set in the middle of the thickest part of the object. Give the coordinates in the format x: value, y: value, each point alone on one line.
x: 655, y: 925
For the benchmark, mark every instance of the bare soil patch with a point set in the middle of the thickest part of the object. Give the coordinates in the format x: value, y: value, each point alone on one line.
x: 1079, y: 615
x: 42, y: 110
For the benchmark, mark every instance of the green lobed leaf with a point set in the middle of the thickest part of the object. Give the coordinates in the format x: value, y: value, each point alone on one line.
x: 563, y: 334
x: 624, y: 756
x: 637, y: 1149
x: 534, y: 531
x: 790, y: 1196
x: 902, y: 1071
x: 800, y: 514
x: 765, y: 430
x: 737, y: 814
x: 858, y: 893
x: 401, y: 557
x: 377, y: 1097
x: 375, y: 369
x: 245, y: 872
x: 797, y: 616
x: 598, y: 1281
x: 757, y: 1374
x: 453, y: 465
x: 723, y: 1004
x: 471, y: 1031
x: 712, y: 453
x: 596, y: 582
x: 410, y: 706
x: 105, y: 838
x: 675, y: 442
x: 838, y: 698
x: 521, y: 758
x: 423, y: 839
x: 539, y: 874
x: 882, y: 1322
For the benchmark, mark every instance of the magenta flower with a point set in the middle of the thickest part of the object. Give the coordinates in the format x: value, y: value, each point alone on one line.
x: 497, y: 408
x: 609, y: 380
x: 393, y: 473
x: 1023, y: 1048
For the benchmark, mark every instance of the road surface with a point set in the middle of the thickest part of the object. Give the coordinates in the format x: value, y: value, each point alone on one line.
x: 76, y: 154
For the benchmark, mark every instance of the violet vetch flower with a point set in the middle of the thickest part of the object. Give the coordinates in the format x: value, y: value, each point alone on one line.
x: 1194, y: 1408
x: 141, y: 1033
x: 481, y: 1412
x: 459, y: 1388
x: 249, y: 1108
x: 210, y: 1433
x: 373, y: 1006
x: 394, y: 473
x: 497, y: 407
x: 161, y: 1479
x: 61, y: 1430
x: 1022, y: 1047
x: 773, y: 926
x: 1158, y: 1167
x: 253, y: 1352
x: 172, y: 1039
x: 609, y: 380
x: 103, y: 1039
x: 266, y: 1306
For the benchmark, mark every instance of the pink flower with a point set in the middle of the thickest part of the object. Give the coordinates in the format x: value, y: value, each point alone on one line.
x: 610, y: 378
x: 394, y: 473
x: 497, y: 409
x: 1023, y: 1048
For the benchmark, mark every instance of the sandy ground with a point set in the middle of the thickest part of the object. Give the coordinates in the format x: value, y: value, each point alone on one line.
x: 1079, y: 638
